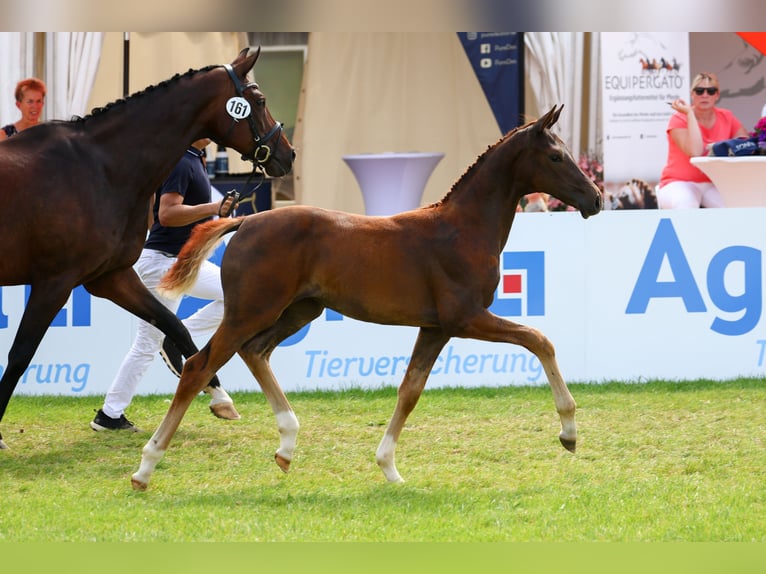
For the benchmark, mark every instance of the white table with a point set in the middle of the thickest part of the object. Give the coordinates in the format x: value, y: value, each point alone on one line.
x: 741, y: 180
x: 392, y: 182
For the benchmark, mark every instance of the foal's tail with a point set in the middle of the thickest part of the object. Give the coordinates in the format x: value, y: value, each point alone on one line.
x: 204, y: 239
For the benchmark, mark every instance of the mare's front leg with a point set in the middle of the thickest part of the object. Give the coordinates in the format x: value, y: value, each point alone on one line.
x: 489, y: 327
x: 45, y: 300
x: 428, y: 345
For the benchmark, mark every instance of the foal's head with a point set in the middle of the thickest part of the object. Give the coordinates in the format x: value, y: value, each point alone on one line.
x: 550, y: 168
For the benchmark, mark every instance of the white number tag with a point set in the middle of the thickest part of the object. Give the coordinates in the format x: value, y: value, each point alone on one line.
x: 238, y: 108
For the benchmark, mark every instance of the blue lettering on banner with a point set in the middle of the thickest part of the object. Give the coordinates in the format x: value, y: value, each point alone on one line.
x: 3, y: 316
x: 666, y: 246
x: 321, y: 364
x: 81, y: 309
x: 60, y: 374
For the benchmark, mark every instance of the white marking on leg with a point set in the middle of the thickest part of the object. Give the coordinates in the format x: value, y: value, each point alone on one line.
x: 385, y: 458
x: 565, y: 403
x: 150, y: 456
x: 218, y: 395
x: 287, y: 424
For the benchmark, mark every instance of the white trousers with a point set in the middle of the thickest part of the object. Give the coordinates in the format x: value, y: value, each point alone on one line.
x: 688, y: 195
x: 151, y: 266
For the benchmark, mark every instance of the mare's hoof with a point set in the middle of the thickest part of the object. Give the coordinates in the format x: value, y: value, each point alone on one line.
x: 568, y: 444
x: 137, y: 484
x: 2, y: 444
x: 225, y: 411
x: 282, y: 462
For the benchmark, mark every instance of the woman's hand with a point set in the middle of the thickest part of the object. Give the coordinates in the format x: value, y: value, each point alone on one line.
x: 680, y: 105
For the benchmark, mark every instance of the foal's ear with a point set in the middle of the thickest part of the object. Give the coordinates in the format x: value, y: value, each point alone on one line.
x: 547, y: 121
x: 245, y: 61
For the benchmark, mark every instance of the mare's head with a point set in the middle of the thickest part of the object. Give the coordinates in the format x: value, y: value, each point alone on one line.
x: 548, y: 167
x: 246, y: 123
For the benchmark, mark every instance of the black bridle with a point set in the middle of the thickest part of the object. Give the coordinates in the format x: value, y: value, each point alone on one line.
x: 262, y: 151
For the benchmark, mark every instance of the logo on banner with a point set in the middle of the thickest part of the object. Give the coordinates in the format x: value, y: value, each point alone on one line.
x: 522, y: 285
x: 79, y: 314
x: 497, y: 59
x: 742, y: 301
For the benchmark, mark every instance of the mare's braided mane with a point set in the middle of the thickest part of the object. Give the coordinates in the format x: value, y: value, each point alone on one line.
x: 122, y: 101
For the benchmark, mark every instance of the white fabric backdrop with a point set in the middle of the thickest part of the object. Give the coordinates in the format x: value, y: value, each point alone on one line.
x: 71, y: 61
x: 555, y: 70
x: 16, y: 63
x: 71, y: 64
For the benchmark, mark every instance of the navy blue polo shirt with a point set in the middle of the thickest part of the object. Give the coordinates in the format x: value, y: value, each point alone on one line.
x: 189, y: 179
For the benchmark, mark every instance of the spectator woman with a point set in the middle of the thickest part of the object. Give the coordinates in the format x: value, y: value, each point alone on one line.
x: 30, y: 99
x: 691, y: 129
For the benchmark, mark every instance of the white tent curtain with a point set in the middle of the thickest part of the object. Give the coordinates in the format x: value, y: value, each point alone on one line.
x: 71, y: 64
x: 594, y: 135
x: 16, y: 63
x: 554, y: 66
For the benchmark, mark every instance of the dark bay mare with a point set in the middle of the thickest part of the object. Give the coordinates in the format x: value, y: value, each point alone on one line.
x: 435, y: 268
x: 74, y: 195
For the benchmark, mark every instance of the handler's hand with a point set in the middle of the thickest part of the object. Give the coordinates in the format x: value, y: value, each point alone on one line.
x: 228, y: 204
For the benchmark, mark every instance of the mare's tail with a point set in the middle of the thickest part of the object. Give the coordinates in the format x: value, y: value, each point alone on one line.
x: 204, y: 239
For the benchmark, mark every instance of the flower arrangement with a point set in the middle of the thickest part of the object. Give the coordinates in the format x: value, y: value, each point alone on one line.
x: 759, y: 131
x: 593, y: 167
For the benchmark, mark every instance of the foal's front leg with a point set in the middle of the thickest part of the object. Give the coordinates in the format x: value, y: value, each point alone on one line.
x: 427, y: 348
x: 489, y: 327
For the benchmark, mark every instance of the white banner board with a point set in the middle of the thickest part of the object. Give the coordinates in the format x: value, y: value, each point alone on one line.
x: 626, y: 295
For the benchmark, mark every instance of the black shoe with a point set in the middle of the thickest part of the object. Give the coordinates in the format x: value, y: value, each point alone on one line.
x: 101, y: 422
x: 172, y: 357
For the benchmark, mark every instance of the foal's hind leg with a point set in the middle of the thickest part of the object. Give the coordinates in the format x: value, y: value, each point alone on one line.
x: 256, y: 354
x: 427, y: 348
x: 287, y: 422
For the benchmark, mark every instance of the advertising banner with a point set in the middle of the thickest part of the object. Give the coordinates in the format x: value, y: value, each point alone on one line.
x: 497, y: 59
x: 625, y: 296
x: 642, y: 72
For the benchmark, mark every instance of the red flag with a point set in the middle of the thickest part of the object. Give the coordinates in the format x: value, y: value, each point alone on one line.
x: 755, y: 39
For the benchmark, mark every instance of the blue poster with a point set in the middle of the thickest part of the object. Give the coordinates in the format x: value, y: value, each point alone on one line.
x: 498, y: 61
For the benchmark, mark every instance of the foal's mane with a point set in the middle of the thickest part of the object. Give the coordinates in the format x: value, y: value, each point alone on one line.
x: 149, y: 89
x: 475, y: 165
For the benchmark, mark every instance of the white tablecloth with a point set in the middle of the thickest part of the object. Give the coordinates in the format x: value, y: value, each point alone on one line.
x: 741, y: 180
x: 392, y: 182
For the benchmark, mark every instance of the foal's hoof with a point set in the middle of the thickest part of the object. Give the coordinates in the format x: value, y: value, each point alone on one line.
x: 282, y: 462
x: 225, y: 411
x: 138, y: 484
x: 2, y: 444
x: 570, y: 445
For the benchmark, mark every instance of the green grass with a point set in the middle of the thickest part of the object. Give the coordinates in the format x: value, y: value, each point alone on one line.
x: 658, y: 461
